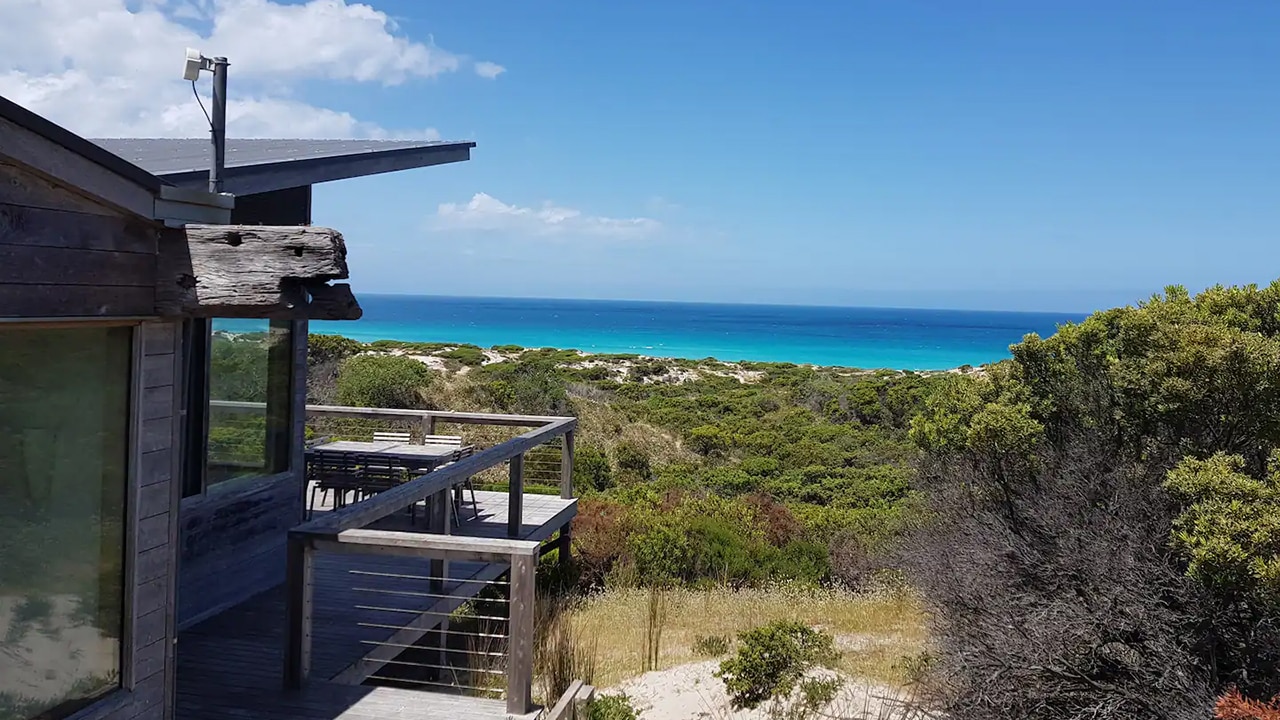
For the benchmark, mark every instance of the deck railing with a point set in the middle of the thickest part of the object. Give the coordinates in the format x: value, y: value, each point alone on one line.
x: 527, y: 453
x: 521, y: 556
x: 345, y: 530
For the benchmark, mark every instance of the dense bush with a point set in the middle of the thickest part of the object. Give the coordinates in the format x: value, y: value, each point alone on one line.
x: 770, y: 661
x: 325, y: 354
x: 809, y: 457
x: 466, y: 354
x: 530, y: 385
x: 329, y: 348
x: 1229, y: 528
x: 681, y: 538
x: 633, y: 462
x: 591, y: 469
x: 1105, y: 539
x: 382, y: 381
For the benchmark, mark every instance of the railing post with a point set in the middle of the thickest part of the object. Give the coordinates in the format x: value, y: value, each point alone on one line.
x: 520, y: 632
x: 428, y: 425
x: 297, y: 652
x: 566, y: 466
x: 515, y: 497
x: 565, y: 542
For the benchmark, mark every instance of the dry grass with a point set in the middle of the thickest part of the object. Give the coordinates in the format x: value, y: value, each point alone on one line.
x: 874, y: 632
x: 606, y: 426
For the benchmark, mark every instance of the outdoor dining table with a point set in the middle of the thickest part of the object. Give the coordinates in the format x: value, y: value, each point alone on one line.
x: 413, y: 457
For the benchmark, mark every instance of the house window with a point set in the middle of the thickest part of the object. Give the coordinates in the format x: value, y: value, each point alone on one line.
x: 64, y: 434
x: 249, y: 383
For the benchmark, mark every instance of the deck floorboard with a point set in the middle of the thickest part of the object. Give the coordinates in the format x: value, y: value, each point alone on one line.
x: 231, y: 665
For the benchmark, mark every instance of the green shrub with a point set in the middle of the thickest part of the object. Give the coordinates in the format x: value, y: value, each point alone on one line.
x: 382, y: 381
x: 799, y: 560
x: 771, y: 660
x: 647, y: 369
x: 612, y: 707
x: 709, y: 440
x: 662, y: 555
x: 325, y: 348
x: 721, y: 550
x: 532, y: 386
x: 1229, y: 529
x: 633, y: 462
x: 817, y: 693
x: 591, y: 469
x: 466, y: 354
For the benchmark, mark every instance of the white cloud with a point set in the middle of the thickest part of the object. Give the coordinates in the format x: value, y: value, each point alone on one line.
x: 490, y: 70
x: 486, y: 213
x: 113, y: 67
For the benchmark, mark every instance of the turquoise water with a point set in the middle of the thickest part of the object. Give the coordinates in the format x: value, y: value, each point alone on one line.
x: 851, y: 337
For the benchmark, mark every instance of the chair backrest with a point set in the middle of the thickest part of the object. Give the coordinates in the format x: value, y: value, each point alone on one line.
x: 378, y: 473
x: 333, y: 470
x: 441, y: 439
x: 379, y: 436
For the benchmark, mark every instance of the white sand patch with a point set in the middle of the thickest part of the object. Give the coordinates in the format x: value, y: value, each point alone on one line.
x: 693, y: 692
x: 431, y: 361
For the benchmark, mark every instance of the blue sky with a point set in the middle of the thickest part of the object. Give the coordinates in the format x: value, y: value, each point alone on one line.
x: 1046, y: 155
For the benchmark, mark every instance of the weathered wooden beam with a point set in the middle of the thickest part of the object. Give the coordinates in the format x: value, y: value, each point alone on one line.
x: 247, y: 270
x: 332, y: 302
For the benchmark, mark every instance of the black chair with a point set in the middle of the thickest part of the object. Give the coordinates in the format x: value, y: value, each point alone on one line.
x: 379, y: 473
x: 332, y: 472
x: 465, y: 485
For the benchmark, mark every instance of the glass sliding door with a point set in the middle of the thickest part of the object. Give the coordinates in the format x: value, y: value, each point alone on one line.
x: 64, y: 434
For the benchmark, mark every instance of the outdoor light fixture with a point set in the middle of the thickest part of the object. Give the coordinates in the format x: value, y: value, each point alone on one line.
x: 195, y: 62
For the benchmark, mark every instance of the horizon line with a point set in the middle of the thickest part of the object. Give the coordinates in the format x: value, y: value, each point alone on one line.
x: 1084, y: 313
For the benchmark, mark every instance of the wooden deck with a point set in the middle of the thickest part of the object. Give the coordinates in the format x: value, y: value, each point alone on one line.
x: 230, y: 666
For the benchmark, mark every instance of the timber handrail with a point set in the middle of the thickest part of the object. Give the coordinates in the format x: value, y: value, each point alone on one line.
x: 449, y: 416
x: 573, y: 703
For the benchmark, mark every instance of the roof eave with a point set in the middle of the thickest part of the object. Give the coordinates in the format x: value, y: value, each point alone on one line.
x: 53, y: 132
x: 266, y: 177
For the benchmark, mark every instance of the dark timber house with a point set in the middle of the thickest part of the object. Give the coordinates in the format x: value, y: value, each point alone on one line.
x: 148, y: 571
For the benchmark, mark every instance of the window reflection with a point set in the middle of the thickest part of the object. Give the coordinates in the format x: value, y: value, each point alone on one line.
x: 64, y: 417
x: 249, y: 366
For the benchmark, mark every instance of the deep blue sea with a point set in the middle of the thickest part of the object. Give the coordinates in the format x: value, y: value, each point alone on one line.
x: 851, y: 337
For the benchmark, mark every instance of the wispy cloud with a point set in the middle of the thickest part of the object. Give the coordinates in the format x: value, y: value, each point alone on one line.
x: 485, y: 213
x: 490, y: 70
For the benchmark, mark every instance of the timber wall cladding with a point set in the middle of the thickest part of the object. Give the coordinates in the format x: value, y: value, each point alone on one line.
x: 153, y: 504
x: 62, y: 255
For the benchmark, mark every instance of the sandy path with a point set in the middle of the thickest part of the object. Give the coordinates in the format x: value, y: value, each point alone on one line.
x: 692, y: 692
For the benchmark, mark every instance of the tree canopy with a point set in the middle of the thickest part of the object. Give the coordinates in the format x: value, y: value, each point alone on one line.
x: 1144, y: 431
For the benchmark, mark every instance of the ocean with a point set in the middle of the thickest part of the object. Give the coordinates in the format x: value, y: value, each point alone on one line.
x: 844, y: 336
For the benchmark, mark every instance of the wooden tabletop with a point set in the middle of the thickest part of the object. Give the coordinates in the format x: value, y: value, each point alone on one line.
x: 408, y: 452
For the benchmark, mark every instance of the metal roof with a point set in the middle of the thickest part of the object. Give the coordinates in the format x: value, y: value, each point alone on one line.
x: 255, y: 166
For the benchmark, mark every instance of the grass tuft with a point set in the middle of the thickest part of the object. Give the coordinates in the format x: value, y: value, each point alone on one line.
x: 874, y: 632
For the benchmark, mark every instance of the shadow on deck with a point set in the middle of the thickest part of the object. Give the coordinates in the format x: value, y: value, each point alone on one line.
x: 232, y: 665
